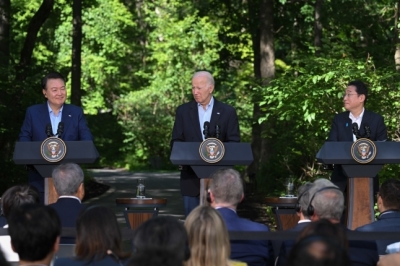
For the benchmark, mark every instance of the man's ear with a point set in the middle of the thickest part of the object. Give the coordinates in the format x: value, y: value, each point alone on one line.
x: 56, y: 244
x: 81, y: 191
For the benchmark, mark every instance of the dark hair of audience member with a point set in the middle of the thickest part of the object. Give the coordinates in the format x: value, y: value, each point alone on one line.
x: 16, y: 196
x: 98, y: 235
x: 208, y: 237
x: 161, y: 240
x: 325, y: 228
x: 33, y: 229
x: 318, y: 250
x: 390, y: 194
x: 3, y: 261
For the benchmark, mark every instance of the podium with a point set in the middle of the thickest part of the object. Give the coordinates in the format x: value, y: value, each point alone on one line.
x: 360, y: 202
x: 187, y: 153
x: 29, y: 153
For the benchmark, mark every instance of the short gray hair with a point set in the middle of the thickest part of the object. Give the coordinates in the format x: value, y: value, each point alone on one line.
x: 303, y: 197
x: 67, y: 178
x: 227, y: 186
x: 205, y: 74
x: 328, y: 203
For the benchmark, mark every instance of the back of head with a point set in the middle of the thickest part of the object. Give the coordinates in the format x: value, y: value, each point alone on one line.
x: 390, y: 194
x: 326, y: 199
x: 67, y: 178
x: 163, y: 235
x: 303, y: 198
x: 34, y: 230
x: 17, y: 196
x: 318, y: 250
x: 227, y: 186
x: 361, y: 88
x: 98, y: 234
x: 208, y: 237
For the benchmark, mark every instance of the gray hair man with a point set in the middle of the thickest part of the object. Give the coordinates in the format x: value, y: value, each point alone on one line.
x: 68, y: 182
x: 225, y: 193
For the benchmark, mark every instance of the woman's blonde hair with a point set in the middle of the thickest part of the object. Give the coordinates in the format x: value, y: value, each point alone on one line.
x: 208, y: 238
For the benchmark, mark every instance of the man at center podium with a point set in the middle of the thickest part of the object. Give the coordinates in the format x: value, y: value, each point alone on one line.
x: 354, y: 123
x: 196, y: 120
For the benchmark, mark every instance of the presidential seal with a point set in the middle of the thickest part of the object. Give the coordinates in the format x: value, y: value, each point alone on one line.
x: 212, y: 150
x: 363, y: 150
x: 53, y: 149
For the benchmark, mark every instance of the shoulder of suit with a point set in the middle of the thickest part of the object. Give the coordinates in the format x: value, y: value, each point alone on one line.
x: 219, y: 104
x: 371, y: 113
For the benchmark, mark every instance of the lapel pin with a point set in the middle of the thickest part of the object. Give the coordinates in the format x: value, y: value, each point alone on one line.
x: 217, y: 113
x: 69, y: 115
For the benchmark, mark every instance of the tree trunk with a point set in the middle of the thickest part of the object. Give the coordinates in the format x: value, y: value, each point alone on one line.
x: 397, y: 37
x: 318, y: 26
x: 5, y: 6
x: 35, y: 24
x: 76, y: 52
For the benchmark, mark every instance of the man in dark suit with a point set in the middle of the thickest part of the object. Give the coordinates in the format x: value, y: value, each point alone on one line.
x: 41, y: 117
x: 188, y: 127
x: 225, y: 193
x: 327, y: 202
x: 68, y: 182
x: 354, y: 100
x: 389, y: 219
x: 303, y: 198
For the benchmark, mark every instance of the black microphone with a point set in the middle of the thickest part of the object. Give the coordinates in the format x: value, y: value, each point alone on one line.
x: 355, y: 130
x: 367, y: 130
x: 60, y: 129
x: 49, y: 130
x: 206, y: 128
x: 217, y: 131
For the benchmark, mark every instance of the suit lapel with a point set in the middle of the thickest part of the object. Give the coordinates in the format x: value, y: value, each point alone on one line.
x: 215, y: 115
x: 194, y: 115
x: 366, y: 117
x: 44, y: 116
x: 349, y: 128
x: 66, y: 118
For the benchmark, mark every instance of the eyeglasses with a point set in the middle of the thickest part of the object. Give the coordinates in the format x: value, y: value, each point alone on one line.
x: 348, y: 94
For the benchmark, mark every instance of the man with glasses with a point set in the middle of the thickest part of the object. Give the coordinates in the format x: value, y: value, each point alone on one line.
x: 354, y: 100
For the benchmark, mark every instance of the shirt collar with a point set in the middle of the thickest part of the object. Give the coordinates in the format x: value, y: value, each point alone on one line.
x: 50, y: 110
x: 70, y: 197
x: 351, y: 116
x: 211, y: 103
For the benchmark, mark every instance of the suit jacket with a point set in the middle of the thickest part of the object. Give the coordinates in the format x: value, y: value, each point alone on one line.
x: 253, y: 252
x: 341, y: 130
x: 106, y: 261
x: 187, y: 129
x: 387, y: 222
x: 287, y: 245
x: 68, y: 210
x: 37, y: 117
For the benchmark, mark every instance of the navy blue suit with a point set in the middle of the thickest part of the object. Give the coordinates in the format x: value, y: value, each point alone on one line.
x: 341, y: 130
x: 187, y: 129
x: 253, y: 252
x: 68, y: 210
x: 387, y: 222
x: 107, y: 261
x: 287, y: 245
x: 34, y: 129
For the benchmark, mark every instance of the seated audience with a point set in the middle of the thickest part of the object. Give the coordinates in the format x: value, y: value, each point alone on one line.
x: 389, y: 260
x: 303, y: 198
x: 327, y: 202
x: 389, y: 207
x: 68, y: 183
x: 161, y: 240
x: 318, y: 250
x: 208, y: 238
x: 35, y: 233
x: 11, y: 199
x: 225, y: 193
x: 98, y: 239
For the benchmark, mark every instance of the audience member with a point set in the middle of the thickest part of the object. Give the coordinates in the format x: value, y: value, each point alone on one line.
x: 317, y: 250
x: 208, y: 238
x: 11, y: 199
x: 35, y: 233
x: 225, y: 193
x: 327, y: 202
x: 98, y: 239
x: 68, y: 183
x: 389, y: 260
x: 161, y: 240
x: 303, y: 198
x: 389, y: 207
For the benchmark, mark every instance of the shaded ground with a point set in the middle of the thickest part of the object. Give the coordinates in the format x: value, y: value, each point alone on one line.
x: 94, y: 189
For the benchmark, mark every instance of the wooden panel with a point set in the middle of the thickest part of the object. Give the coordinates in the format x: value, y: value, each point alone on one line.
x: 360, y: 205
x: 136, y: 219
x: 288, y: 220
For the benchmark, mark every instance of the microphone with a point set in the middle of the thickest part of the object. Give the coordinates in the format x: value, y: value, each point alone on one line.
x: 355, y: 130
x: 60, y: 129
x: 206, y: 127
x: 49, y: 130
x: 367, y: 130
x: 217, y: 131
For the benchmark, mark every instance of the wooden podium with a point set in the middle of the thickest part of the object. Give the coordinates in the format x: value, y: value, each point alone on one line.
x: 28, y: 153
x: 360, y: 203
x: 187, y: 153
